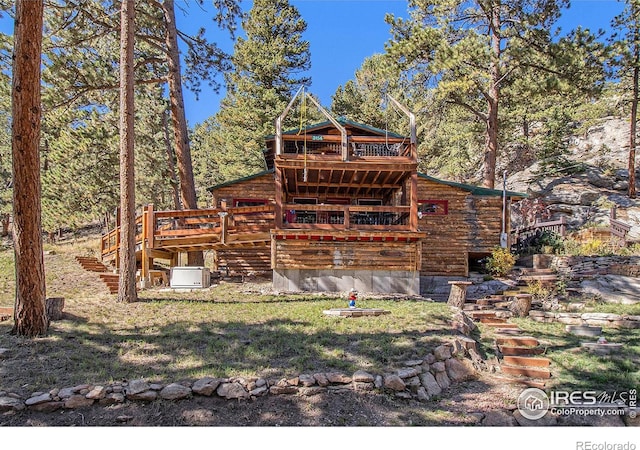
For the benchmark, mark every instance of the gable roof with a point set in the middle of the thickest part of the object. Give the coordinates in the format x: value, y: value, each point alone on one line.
x: 475, y: 190
x: 344, y: 122
x: 239, y: 180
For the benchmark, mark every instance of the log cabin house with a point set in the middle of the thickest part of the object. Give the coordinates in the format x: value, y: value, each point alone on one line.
x: 339, y: 205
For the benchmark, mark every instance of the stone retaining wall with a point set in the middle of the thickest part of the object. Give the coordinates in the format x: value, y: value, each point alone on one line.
x: 585, y: 266
x: 420, y: 379
x: 593, y: 319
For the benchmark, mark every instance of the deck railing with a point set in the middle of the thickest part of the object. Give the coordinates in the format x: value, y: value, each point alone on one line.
x: 360, y: 147
x: 346, y: 217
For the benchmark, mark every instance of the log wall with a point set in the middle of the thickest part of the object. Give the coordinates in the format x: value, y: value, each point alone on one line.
x: 262, y: 187
x: 305, y: 254
x: 472, y: 225
x: 244, y: 260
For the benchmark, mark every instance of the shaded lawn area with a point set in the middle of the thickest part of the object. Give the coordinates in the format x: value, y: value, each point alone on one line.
x: 224, y: 331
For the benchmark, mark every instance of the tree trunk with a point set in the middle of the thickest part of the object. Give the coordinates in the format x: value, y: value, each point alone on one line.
x: 521, y: 305
x: 634, y: 104
x: 127, y: 283
x: 170, y: 163
x: 183, y: 151
x: 30, y: 315
x: 493, y: 99
x: 458, y: 293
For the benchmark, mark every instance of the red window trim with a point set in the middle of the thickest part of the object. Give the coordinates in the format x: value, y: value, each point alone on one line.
x: 443, y: 203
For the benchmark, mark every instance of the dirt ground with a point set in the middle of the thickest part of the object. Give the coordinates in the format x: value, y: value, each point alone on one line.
x: 462, y: 404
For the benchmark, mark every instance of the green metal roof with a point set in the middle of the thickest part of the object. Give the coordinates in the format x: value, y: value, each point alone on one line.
x: 248, y: 177
x: 342, y: 121
x: 475, y: 190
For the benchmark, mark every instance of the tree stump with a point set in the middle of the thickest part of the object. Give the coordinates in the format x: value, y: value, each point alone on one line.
x: 458, y: 293
x: 521, y: 305
x: 54, y: 307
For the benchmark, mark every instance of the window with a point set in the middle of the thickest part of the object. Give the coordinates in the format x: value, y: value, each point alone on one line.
x: 369, y: 202
x: 249, y: 202
x: 433, y: 208
x: 305, y: 201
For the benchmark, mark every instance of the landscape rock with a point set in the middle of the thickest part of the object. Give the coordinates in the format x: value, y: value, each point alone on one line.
x: 312, y: 390
x: 548, y: 420
x: 175, y: 391
x: 413, y: 362
x: 499, y: 418
x: 430, y: 384
x: 422, y: 394
x: 457, y: 370
x: 97, y: 393
x: 11, y: 404
x: 232, y: 391
x: 42, y: 398
x: 307, y: 380
x: 137, y: 387
x: 321, y: 379
x: 408, y: 372
x: 113, y: 398
x: 442, y: 352
x: 394, y: 382
x: 363, y: 377
x: 339, y: 378
x: 363, y: 386
x: 46, y: 407
x: 378, y: 382
x: 145, y: 396
x: 283, y: 390
x: 65, y: 393
x: 443, y: 380
x: 258, y: 391
x: 78, y: 401
x: 438, y: 367
x: 206, y: 386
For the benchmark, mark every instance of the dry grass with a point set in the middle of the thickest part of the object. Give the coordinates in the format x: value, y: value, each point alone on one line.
x: 229, y: 330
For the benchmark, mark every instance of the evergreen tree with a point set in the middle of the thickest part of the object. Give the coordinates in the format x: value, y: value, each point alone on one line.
x: 269, y: 66
x: 627, y: 61
x: 469, y: 52
x: 30, y: 315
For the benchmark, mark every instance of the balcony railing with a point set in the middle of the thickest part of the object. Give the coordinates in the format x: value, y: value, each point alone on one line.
x: 360, y: 147
x: 346, y: 217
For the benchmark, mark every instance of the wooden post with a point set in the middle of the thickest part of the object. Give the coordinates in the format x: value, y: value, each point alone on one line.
x: 458, y: 294
x: 413, y: 196
x: 521, y: 305
x: 151, y: 227
x: 144, y: 270
x: 563, y: 226
x: 278, y: 199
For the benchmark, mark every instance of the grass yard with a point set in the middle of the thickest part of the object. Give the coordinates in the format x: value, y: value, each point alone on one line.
x: 231, y: 329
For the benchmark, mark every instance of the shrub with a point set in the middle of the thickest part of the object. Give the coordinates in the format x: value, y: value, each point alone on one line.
x: 501, y: 262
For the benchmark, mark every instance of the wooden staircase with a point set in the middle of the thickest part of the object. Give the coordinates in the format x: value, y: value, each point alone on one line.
x: 94, y: 265
x: 519, y: 356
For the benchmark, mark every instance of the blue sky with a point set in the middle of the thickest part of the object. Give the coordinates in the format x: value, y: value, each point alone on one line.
x: 342, y: 33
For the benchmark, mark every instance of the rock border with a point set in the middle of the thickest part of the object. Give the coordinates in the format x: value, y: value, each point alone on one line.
x: 605, y: 320
x: 420, y: 379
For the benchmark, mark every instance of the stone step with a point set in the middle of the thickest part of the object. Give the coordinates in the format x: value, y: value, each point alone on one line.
x: 508, y: 350
x: 509, y: 331
x: 535, y: 271
x: 502, y: 325
x: 530, y: 372
x: 520, y: 341
x: 492, y: 320
x: 525, y: 361
x: 477, y: 315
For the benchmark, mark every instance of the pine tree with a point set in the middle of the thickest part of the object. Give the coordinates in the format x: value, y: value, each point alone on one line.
x: 30, y: 316
x: 470, y: 52
x: 627, y: 60
x: 269, y: 67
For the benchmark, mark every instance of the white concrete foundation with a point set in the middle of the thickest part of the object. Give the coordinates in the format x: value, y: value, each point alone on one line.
x: 326, y: 280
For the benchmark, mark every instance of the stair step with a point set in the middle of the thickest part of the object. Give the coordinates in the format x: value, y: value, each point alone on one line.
x: 520, y: 341
x: 509, y: 331
x: 482, y: 314
x: 528, y: 382
x: 534, y: 271
x: 488, y: 320
x: 520, y: 351
x: 525, y: 371
x: 527, y: 361
x: 502, y: 325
